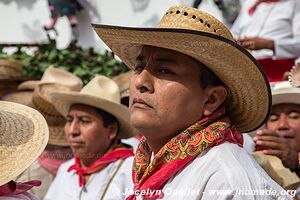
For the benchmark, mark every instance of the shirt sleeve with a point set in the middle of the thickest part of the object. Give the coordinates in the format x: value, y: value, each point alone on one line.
x: 290, y: 47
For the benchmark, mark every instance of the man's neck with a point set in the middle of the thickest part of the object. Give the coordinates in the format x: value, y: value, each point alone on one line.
x: 156, y: 144
x: 87, y: 162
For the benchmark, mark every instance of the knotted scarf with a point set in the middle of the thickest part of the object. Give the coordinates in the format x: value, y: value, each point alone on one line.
x: 117, y: 152
x: 151, y: 175
x: 253, y: 8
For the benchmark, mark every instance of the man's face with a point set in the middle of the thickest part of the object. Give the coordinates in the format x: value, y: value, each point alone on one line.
x: 165, y: 92
x: 285, y: 120
x: 85, y: 132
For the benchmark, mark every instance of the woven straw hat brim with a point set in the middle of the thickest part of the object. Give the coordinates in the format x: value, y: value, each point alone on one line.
x: 64, y: 100
x: 56, y: 132
x: 24, y: 135
x: 279, y: 98
x: 55, y: 120
x: 249, y: 96
x: 21, y: 97
x: 57, y: 136
x: 28, y: 85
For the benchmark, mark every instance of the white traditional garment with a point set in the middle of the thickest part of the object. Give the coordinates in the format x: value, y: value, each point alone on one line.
x: 23, y: 196
x: 66, y: 187
x: 277, y: 21
x: 132, y: 141
x: 36, y: 172
x: 220, y: 173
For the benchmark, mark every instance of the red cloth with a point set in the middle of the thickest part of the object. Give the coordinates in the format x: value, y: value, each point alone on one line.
x: 178, y: 152
x: 48, y: 162
x: 275, y: 69
x: 253, y: 8
x: 13, y: 188
x: 110, y: 157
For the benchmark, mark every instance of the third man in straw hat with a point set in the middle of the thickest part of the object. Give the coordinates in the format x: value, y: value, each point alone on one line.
x: 279, y: 139
x: 96, y: 121
x: 194, y: 90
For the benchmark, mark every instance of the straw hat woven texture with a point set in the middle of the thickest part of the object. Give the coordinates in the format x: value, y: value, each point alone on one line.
x: 54, y: 75
x: 21, y: 97
x: 101, y: 92
x: 24, y: 135
x: 41, y: 101
x: 10, y: 70
x: 201, y: 36
x: 294, y: 75
x: 283, y: 92
x: 123, y: 81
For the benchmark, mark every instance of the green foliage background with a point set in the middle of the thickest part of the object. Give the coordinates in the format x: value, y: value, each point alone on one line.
x: 85, y: 63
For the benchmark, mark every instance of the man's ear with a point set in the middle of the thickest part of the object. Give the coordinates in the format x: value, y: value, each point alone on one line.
x: 216, y: 96
x: 113, y: 131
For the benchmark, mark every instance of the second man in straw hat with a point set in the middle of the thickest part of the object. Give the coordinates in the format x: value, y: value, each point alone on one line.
x: 96, y: 121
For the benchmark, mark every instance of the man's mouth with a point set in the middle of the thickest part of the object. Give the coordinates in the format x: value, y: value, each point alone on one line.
x: 138, y: 102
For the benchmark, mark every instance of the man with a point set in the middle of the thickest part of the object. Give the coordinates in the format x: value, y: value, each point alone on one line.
x: 24, y: 135
x: 281, y: 136
x: 192, y: 91
x: 96, y: 121
x: 270, y: 29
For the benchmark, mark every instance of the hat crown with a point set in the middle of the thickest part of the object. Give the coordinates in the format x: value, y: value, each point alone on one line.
x: 284, y: 87
x: 182, y: 17
x: 60, y: 76
x: 104, y: 88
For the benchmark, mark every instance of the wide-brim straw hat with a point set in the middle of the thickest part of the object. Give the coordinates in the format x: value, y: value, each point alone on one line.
x: 294, y: 75
x: 275, y: 169
x: 21, y: 97
x: 283, y: 92
x: 11, y: 70
x: 24, y: 135
x: 54, y: 75
x: 123, y: 81
x: 201, y: 36
x: 41, y: 101
x: 101, y: 92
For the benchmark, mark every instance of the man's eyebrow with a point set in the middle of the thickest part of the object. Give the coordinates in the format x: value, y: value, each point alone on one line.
x: 165, y: 60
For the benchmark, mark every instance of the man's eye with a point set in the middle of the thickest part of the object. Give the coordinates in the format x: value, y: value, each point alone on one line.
x: 273, y: 118
x: 69, y: 120
x: 138, y: 69
x: 85, y: 121
x: 165, y: 71
x: 294, y: 115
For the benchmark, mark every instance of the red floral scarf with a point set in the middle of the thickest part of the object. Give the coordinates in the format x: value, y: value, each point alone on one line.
x: 118, y: 152
x: 179, y: 151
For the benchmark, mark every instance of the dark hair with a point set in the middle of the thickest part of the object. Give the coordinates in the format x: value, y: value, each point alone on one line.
x: 208, y: 77
x: 107, y: 118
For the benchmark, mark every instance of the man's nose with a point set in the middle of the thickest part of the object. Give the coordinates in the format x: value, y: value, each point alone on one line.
x: 144, y: 81
x: 73, y: 129
x: 283, y: 123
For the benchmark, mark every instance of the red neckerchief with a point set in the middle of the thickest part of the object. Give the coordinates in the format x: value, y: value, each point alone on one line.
x: 117, y: 153
x: 179, y: 151
x: 253, y: 8
x: 13, y: 188
x: 48, y: 161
